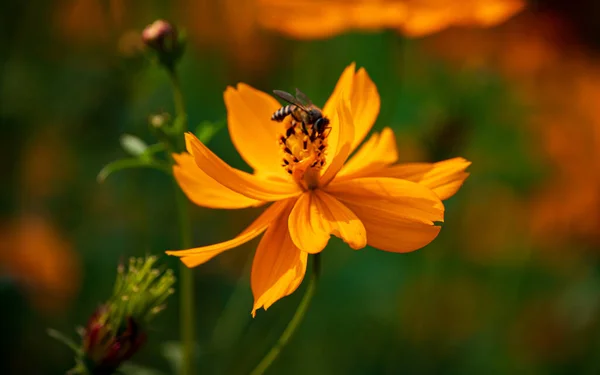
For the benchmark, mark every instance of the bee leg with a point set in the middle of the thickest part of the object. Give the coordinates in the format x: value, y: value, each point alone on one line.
x: 304, y: 129
x: 289, y: 131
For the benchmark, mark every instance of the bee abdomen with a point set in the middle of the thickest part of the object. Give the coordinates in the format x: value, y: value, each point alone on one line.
x: 282, y: 113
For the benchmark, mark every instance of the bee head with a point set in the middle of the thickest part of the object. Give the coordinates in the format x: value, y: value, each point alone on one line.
x: 321, y: 124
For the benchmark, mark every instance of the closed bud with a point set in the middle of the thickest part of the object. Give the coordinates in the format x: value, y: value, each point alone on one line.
x: 159, y: 35
x: 166, y: 41
x: 117, y: 329
x: 106, y: 347
x: 164, y: 38
x: 158, y: 121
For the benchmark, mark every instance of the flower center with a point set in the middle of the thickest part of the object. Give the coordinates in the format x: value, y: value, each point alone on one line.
x: 303, y: 149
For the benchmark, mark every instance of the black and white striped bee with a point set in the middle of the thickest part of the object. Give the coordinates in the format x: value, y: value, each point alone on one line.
x: 302, y: 110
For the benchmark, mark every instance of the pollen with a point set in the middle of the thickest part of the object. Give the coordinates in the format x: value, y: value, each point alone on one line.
x: 303, y: 150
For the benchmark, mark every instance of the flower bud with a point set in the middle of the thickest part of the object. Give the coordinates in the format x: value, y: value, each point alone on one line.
x: 159, y: 120
x: 166, y: 41
x: 117, y: 329
x: 160, y: 35
x: 105, y: 348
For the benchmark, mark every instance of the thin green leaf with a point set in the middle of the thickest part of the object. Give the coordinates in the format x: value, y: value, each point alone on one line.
x: 172, y: 351
x: 207, y: 130
x: 151, y: 150
x: 58, y: 336
x: 129, y: 368
x: 179, y: 124
x: 129, y: 164
x: 155, y: 148
x: 133, y: 145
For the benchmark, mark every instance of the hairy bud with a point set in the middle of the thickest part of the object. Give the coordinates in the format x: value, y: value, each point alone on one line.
x: 117, y: 329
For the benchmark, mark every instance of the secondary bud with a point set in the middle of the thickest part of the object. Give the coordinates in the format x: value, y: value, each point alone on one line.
x: 105, y: 348
x: 166, y: 41
x: 117, y: 329
x: 159, y: 120
x: 160, y: 35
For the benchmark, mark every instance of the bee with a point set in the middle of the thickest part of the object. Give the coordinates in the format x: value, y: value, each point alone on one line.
x: 302, y: 110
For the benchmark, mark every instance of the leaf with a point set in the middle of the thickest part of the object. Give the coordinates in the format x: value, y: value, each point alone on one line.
x: 207, y: 130
x: 172, y: 351
x: 133, y: 145
x: 58, y: 336
x: 153, y: 149
x: 121, y: 164
x: 179, y: 124
x: 129, y: 368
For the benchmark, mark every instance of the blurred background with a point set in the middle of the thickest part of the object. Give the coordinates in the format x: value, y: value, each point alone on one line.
x: 511, y: 285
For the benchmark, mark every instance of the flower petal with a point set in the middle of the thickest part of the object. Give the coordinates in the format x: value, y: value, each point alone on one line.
x: 316, y: 216
x: 397, y: 214
x: 444, y: 177
x: 390, y: 196
x: 199, y: 255
x: 308, y: 229
x: 365, y: 104
x: 395, y: 235
x: 341, y: 93
x: 251, y: 129
x: 278, y: 267
x: 251, y: 186
x: 338, y: 155
x: 204, y: 190
x: 364, y: 101
x: 375, y: 154
x: 343, y: 85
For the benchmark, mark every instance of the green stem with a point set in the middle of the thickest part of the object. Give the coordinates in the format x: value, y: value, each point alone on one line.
x: 295, y: 322
x: 186, y: 287
x: 186, y: 282
x: 177, y: 93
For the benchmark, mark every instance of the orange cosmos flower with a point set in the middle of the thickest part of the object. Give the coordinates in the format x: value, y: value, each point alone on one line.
x: 308, y: 19
x: 314, y: 192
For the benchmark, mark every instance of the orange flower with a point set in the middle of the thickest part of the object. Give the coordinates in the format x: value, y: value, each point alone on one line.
x: 308, y: 19
x: 315, y: 193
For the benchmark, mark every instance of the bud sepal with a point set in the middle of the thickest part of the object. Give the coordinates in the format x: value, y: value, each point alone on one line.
x: 117, y: 329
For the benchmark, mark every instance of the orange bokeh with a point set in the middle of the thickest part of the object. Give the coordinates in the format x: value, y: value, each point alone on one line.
x: 313, y: 19
x: 559, y: 82
x: 229, y: 27
x: 41, y: 261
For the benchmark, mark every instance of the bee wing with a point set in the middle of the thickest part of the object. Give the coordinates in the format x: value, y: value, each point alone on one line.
x: 289, y: 98
x: 303, y: 98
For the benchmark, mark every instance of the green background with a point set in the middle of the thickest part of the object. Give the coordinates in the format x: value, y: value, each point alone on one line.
x: 482, y: 298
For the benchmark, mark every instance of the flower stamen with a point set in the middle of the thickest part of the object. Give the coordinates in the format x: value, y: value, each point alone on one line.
x: 303, y: 149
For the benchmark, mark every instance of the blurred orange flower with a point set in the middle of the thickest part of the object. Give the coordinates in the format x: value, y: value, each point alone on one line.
x: 543, y: 60
x: 36, y: 256
x: 569, y: 131
x: 228, y: 26
x: 316, y: 193
x: 83, y: 21
x: 522, y: 48
x: 308, y: 19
